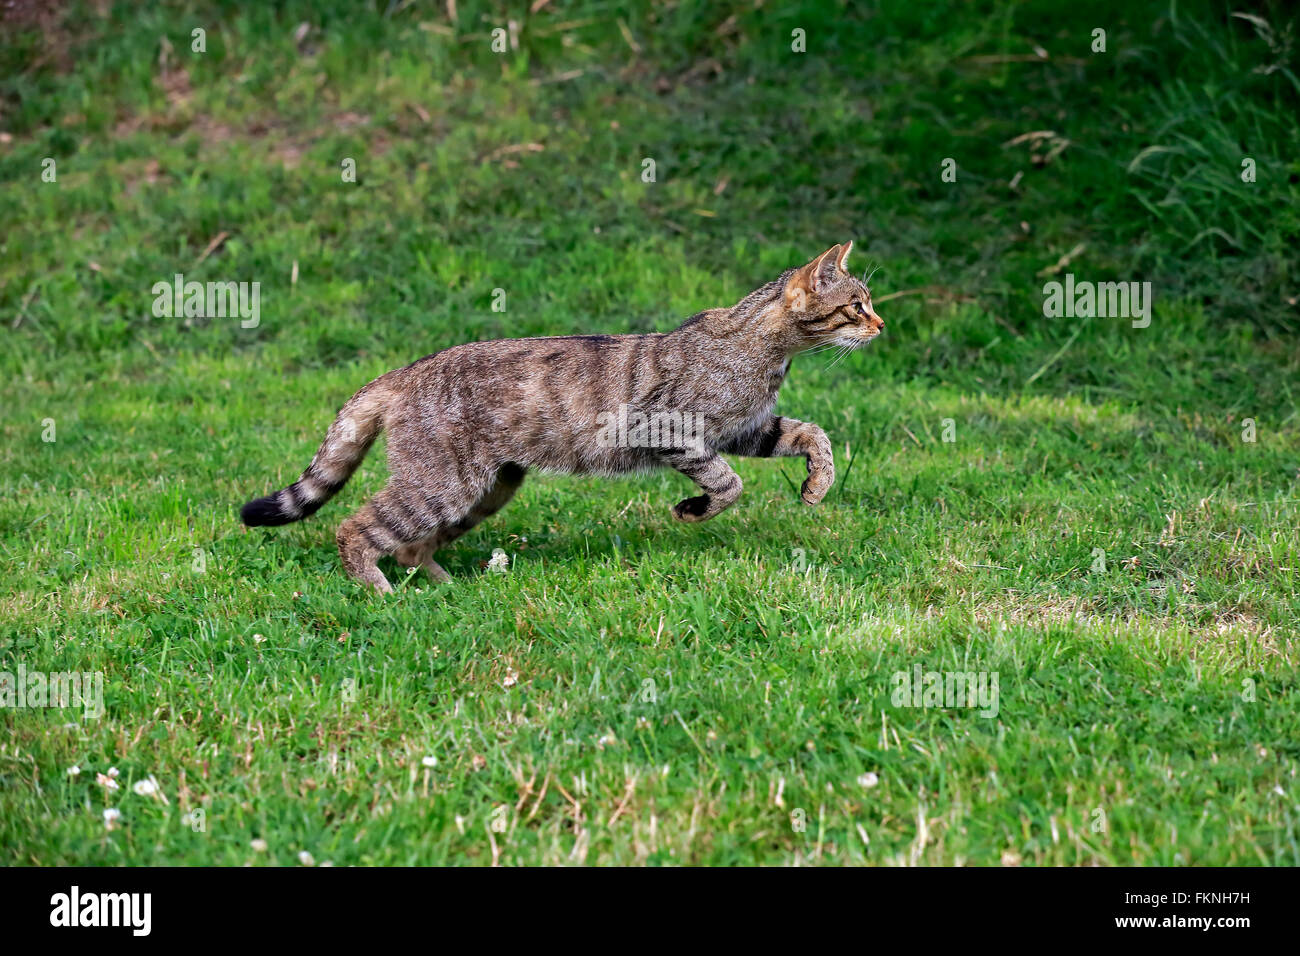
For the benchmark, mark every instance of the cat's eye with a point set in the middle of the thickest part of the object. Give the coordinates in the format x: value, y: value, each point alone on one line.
x: 861, y: 309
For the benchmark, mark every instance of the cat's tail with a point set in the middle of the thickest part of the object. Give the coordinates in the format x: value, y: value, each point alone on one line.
x: 350, y: 436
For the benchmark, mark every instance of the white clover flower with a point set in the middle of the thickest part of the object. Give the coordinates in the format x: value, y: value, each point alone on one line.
x: 111, y: 816
x: 258, y: 845
x: 148, y: 787
x: 868, y: 780
x: 106, y: 781
x: 113, y: 771
x: 74, y: 771
x: 500, y: 561
x: 306, y: 859
x: 430, y: 761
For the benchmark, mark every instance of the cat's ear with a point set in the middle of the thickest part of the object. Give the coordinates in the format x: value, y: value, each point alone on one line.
x: 828, y: 268
x: 842, y: 260
x: 814, y: 277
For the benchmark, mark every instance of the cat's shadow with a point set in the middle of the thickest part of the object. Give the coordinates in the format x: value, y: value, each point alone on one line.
x: 471, y: 554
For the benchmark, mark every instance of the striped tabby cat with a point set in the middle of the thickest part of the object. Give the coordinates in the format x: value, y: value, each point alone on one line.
x: 465, y: 425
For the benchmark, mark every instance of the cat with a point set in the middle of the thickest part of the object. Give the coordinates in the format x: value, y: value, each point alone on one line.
x: 465, y: 425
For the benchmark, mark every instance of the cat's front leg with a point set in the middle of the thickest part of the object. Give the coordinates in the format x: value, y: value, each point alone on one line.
x: 721, y: 485
x: 788, y: 437
x: 813, y: 443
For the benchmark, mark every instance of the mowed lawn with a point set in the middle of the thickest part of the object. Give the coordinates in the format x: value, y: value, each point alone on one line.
x: 1102, y: 517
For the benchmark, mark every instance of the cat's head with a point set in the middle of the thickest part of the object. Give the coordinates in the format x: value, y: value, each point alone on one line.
x: 825, y: 304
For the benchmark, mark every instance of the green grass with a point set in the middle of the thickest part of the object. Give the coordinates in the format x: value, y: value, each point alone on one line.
x: 634, y: 690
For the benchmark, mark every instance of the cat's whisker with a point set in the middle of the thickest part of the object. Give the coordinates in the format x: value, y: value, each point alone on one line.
x: 823, y: 347
x: 822, y: 341
x: 830, y: 346
x: 840, y: 353
x: 851, y: 347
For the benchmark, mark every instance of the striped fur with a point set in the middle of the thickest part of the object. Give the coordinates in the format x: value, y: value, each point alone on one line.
x: 466, y: 424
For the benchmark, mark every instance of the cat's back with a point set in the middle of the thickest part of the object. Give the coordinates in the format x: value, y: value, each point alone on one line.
x: 559, y: 360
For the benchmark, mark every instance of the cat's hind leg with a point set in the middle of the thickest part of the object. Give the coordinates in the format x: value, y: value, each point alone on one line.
x: 420, y: 554
x: 507, y: 481
x: 400, y: 520
x: 362, y: 541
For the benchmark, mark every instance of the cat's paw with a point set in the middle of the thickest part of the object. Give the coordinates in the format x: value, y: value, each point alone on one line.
x: 692, y: 509
x: 815, y: 487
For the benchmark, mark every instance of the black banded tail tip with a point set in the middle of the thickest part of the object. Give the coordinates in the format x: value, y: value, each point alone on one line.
x: 263, y: 512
